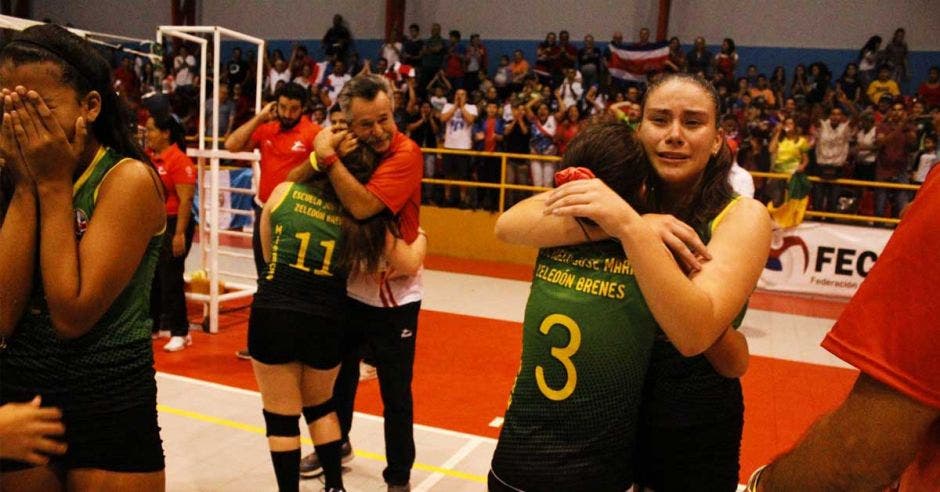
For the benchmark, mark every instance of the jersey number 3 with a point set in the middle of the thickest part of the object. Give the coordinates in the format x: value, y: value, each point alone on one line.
x: 563, y: 355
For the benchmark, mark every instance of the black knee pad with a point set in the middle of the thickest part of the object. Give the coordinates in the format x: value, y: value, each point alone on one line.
x: 281, y: 425
x: 316, y: 412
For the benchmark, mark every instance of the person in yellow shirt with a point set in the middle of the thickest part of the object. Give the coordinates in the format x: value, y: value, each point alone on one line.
x: 882, y: 85
x: 789, y: 152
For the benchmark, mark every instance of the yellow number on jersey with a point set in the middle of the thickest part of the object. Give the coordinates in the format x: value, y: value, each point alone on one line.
x: 328, y: 246
x: 304, y: 238
x: 563, y: 354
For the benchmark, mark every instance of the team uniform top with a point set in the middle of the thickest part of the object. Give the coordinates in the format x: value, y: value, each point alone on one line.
x: 306, y: 230
x: 571, y: 421
x: 685, y: 391
x: 108, y: 369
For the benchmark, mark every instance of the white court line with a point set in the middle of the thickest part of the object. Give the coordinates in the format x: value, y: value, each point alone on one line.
x: 451, y: 463
x: 364, y: 416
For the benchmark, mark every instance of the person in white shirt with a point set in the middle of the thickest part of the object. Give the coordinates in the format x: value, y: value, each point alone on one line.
x: 184, y: 67
x: 570, y: 90
x: 391, y: 50
x: 832, y: 151
x: 926, y: 160
x: 458, y: 118
x: 335, y: 81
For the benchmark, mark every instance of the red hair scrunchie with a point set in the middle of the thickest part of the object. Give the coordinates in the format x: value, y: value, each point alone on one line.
x: 572, y: 174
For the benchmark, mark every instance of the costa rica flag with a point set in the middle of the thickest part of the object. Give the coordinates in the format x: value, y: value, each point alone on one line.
x: 634, y: 62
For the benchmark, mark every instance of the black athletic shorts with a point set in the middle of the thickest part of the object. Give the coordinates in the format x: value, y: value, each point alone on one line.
x: 125, y: 441
x: 702, y: 457
x: 279, y: 336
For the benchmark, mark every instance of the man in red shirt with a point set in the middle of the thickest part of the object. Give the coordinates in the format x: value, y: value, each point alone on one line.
x: 890, y: 422
x: 285, y: 137
x: 384, y: 310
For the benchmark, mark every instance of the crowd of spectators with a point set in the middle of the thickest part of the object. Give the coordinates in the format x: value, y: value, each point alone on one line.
x: 854, y: 125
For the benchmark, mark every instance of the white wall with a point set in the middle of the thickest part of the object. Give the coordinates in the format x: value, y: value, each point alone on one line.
x: 806, y: 23
x: 135, y: 18
x: 532, y: 19
x: 296, y: 19
x: 794, y: 23
x: 268, y: 19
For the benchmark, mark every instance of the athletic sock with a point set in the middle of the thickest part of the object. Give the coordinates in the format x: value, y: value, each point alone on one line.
x: 286, y: 464
x: 329, y: 455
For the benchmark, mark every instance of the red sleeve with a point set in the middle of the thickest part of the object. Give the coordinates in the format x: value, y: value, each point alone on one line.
x: 182, y: 170
x: 260, y: 133
x: 399, y: 175
x: 890, y: 329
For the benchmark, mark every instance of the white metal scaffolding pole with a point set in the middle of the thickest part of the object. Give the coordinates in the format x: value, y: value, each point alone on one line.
x: 210, y: 200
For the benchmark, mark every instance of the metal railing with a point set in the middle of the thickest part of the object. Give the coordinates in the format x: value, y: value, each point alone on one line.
x: 503, y: 186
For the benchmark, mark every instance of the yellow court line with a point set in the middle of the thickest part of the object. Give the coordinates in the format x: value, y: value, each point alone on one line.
x: 254, y: 429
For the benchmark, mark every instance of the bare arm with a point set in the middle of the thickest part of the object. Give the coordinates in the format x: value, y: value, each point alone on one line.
x: 412, y: 97
x: 240, y: 139
x: 82, y: 280
x: 359, y: 201
x: 525, y: 224
x: 185, y: 192
x: 693, y: 311
x: 468, y: 116
x: 729, y: 355
x: 864, y: 444
x: 804, y: 161
x: 17, y: 256
x: 449, y: 113
x: 17, y: 229
x: 414, y: 126
x: 403, y: 258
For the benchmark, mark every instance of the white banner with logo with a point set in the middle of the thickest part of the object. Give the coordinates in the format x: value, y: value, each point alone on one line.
x: 824, y: 259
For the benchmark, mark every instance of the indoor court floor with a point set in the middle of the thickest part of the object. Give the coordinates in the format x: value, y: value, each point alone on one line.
x: 468, y: 345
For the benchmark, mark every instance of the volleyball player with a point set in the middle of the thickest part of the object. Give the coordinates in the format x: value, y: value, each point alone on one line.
x: 283, y: 135
x: 298, y: 314
x: 587, y: 335
x: 692, y: 412
x: 78, y: 248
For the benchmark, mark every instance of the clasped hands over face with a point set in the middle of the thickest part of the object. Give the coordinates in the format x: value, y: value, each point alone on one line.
x: 592, y: 199
x: 33, y: 144
x: 334, y: 141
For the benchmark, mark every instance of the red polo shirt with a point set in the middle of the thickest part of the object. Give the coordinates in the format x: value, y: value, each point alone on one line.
x: 397, y: 183
x: 281, y: 151
x: 175, y: 168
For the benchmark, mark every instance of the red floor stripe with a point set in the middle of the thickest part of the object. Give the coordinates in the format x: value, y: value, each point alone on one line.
x: 465, y: 367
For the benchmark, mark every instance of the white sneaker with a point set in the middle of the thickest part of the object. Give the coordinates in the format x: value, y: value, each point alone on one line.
x: 178, y: 343
x: 160, y: 334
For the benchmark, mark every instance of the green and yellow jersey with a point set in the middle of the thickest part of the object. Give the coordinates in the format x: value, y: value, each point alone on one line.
x: 306, y: 230
x: 686, y: 391
x: 587, y: 334
x: 109, y: 368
